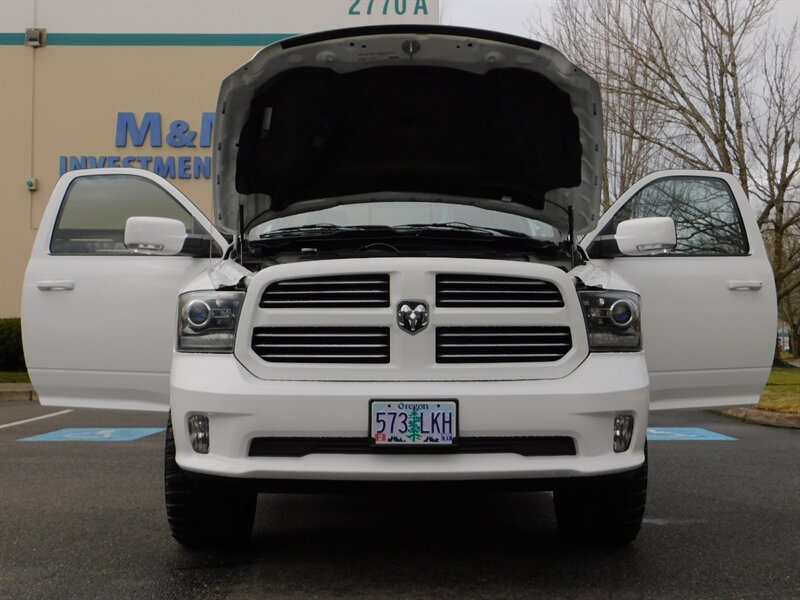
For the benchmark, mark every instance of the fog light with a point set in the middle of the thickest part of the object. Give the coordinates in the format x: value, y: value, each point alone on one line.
x: 623, y: 432
x: 199, y: 435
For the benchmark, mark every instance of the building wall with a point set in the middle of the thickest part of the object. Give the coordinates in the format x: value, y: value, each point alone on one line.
x: 61, y: 105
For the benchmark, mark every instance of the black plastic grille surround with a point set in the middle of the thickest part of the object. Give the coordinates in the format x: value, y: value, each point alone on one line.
x: 352, y: 345
x: 491, y: 291
x: 522, y: 445
x: 339, y: 291
x: 488, y: 344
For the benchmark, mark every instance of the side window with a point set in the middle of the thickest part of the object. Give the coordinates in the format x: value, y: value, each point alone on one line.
x: 707, y: 220
x: 94, y: 212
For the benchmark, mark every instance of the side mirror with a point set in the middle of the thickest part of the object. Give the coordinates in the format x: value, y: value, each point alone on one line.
x: 646, y: 237
x: 154, y: 235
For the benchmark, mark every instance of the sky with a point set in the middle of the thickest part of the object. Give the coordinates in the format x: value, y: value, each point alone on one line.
x: 511, y: 16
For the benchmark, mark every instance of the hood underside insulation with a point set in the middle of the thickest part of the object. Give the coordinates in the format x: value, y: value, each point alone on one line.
x: 509, y: 134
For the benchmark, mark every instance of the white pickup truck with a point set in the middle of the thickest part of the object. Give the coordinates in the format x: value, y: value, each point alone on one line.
x: 406, y: 298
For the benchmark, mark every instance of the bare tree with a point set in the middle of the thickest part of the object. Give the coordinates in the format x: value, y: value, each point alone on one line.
x: 704, y: 84
x: 773, y: 157
x: 789, y: 313
x: 583, y: 31
x: 789, y: 304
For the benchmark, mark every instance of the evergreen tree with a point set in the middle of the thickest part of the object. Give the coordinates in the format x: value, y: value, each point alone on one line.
x: 414, y: 425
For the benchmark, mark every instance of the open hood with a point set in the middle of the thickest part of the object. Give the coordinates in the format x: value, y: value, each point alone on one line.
x: 464, y: 115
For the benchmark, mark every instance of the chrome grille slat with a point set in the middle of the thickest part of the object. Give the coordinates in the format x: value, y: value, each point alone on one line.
x: 493, y: 302
x: 315, y: 345
x: 313, y: 302
x: 303, y: 292
x: 322, y: 344
x: 504, y: 357
x: 508, y: 280
x: 494, y: 291
x: 337, y: 291
x: 487, y: 291
x: 330, y: 335
x: 489, y: 344
x: 504, y: 345
x: 317, y: 357
x: 328, y: 281
x: 504, y: 335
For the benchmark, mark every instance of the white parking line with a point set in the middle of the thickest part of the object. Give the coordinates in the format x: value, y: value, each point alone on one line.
x: 55, y: 414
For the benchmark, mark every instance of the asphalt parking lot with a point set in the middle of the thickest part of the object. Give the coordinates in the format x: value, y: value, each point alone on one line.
x: 86, y: 519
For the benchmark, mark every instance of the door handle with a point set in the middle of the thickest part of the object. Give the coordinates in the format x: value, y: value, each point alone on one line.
x: 55, y: 285
x: 737, y: 285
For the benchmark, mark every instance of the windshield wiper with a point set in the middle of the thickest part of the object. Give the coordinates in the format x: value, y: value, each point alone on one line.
x: 317, y: 228
x: 412, y: 229
x: 460, y: 226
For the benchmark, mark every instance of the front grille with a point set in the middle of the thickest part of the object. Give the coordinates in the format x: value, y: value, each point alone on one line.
x: 487, y: 291
x: 522, y: 445
x: 501, y: 344
x: 322, y: 344
x: 340, y: 291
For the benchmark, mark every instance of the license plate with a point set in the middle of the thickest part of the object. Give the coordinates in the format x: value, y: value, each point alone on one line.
x: 417, y: 422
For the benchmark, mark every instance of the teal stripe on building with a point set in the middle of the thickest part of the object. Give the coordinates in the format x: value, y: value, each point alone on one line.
x: 150, y: 39
x: 12, y: 39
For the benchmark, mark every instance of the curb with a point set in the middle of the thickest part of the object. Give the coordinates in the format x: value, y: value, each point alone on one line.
x: 761, y: 417
x: 17, y: 391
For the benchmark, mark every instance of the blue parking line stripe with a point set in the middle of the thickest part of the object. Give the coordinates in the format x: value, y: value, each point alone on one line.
x: 685, y: 434
x: 127, y: 434
x: 95, y: 434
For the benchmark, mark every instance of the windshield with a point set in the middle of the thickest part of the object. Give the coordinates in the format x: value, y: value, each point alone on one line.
x: 404, y: 214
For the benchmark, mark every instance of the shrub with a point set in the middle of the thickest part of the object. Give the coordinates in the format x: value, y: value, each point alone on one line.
x: 11, y: 357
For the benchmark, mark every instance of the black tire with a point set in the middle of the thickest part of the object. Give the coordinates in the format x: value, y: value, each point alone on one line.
x: 606, y: 510
x: 205, y: 513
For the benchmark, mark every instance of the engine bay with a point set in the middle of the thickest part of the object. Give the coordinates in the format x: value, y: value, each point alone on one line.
x: 453, y: 240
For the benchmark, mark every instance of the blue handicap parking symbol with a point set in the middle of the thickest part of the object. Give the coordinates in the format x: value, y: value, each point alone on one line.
x: 95, y: 434
x: 684, y: 434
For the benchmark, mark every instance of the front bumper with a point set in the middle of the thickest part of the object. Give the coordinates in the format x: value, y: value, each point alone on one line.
x: 241, y: 407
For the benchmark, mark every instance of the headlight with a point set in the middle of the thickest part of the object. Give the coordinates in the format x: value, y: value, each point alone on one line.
x: 207, y: 321
x: 612, y: 320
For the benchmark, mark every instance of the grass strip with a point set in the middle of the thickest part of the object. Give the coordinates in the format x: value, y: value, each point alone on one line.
x: 14, y: 377
x: 782, y: 393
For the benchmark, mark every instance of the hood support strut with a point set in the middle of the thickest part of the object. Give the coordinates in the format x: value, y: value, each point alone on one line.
x: 240, y: 235
x: 573, y: 248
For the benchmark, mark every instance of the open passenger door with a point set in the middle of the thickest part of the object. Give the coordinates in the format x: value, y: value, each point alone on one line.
x: 98, y: 318
x: 709, y: 314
